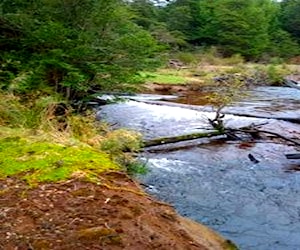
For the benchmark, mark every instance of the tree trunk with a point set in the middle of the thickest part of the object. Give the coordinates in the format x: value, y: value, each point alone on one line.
x: 179, y: 138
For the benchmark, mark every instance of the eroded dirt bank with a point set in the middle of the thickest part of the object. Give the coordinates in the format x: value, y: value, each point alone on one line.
x: 113, y: 213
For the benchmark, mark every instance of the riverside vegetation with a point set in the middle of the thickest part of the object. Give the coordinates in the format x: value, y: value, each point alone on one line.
x: 56, y: 54
x: 64, y: 185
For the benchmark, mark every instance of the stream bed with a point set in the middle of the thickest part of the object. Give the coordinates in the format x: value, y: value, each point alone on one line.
x: 212, y: 181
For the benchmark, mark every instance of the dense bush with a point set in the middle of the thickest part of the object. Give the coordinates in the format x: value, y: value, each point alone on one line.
x: 70, y: 46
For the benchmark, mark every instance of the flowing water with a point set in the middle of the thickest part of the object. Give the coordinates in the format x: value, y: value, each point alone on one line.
x: 214, y: 182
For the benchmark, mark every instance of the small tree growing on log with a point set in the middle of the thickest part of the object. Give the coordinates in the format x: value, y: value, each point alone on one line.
x: 229, y: 88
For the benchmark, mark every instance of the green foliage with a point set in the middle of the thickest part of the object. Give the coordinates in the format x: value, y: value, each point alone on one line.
x: 120, y: 144
x: 121, y: 140
x: 271, y: 74
x: 173, y: 40
x: 71, y: 46
x: 12, y: 113
x: 145, y: 13
x: 239, y: 27
x: 228, y: 90
x: 26, y: 111
x: 164, y: 77
x: 186, y: 57
x: 39, y: 161
x: 250, y: 28
x: 290, y: 18
x: 74, y: 46
x: 136, y: 167
x: 179, y: 18
x: 183, y: 15
x: 282, y: 45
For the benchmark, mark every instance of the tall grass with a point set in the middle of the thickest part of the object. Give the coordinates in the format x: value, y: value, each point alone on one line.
x: 30, y: 112
x: 48, y: 120
x: 12, y: 113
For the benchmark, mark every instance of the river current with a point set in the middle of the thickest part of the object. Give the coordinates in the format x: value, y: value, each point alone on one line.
x: 256, y: 205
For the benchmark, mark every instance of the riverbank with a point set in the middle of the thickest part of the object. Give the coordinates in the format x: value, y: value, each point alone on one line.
x: 60, y: 189
x: 195, y: 77
x: 112, y: 214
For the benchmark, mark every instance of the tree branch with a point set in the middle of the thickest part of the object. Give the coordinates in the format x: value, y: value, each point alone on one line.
x: 179, y: 138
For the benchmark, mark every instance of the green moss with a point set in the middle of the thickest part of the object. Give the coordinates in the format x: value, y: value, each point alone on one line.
x: 40, y: 161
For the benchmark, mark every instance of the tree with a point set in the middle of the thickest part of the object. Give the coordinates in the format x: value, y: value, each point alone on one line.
x: 282, y: 44
x: 182, y: 16
x: 145, y: 13
x: 237, y: 26
x: 290, y: 17
x: 150, y: 15
x: 71, y: 46
x: 247, y: 27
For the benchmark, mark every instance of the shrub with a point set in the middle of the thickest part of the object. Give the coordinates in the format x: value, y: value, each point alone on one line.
x: 270, y: 74
x: 120, y: 144
x: 52, y: 45
x: 234, y: 60
x: 12, y: 113
x: 121, y: 140
x: 186, y: 57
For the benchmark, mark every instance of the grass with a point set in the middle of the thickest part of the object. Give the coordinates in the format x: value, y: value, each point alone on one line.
x: 165, y: 78
x: 39, y: 146
x: 51, y: 156
x: 37, y: 160
x: 202, y: 74
x: 171, y: 76
x: 201, y: 66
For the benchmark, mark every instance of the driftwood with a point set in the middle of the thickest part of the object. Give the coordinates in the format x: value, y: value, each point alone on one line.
x: 291, y: 83
x: 269, y: 132
x: 287, y: 119
x: 293, y: 156
x: 230, y: 133
x: 179, y: 138
x: 219, y: 116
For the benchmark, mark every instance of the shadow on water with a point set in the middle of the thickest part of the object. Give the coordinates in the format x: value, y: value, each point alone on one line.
x: 254, y: 204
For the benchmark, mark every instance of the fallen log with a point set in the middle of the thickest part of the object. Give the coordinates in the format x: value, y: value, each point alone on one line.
x: 179, y: 138
x: 251, y: 130
x: 286, y: 119
x: 291, y: 83
x: 293, y: 156
x: 224, y: 111
x: 269, y: 132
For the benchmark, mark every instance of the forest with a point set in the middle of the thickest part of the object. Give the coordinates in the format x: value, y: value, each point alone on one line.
x: 67, y: 179
x: 72, y: 46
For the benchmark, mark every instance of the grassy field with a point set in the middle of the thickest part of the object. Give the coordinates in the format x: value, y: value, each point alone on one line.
x: 203, y: 74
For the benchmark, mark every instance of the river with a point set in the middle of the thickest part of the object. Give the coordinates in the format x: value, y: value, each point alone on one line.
x: 212, y: 181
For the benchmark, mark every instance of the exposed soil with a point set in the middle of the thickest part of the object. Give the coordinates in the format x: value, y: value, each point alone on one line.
x: 111, y: 214
x: 167, y: 89
x: 187, y: 94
